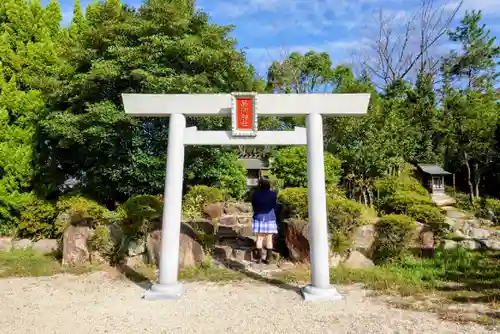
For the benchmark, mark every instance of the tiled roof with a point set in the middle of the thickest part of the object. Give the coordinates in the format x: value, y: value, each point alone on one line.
x: 251, y: 163
x: 432, y: 169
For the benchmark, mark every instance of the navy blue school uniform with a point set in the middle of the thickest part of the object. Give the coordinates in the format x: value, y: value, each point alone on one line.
x: 264, y: 203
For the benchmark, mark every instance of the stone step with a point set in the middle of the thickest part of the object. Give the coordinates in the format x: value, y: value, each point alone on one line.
x: 240, y: 254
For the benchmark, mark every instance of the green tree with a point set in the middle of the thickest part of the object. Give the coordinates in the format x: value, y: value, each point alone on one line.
x: 423, y: 118
x: 369, y: 146
x: 216, y: 167
x: 471, y: 122
x: 480, y: 54
x: 30, y: 62
x: 29, y: 37
x: 290, y: 165
x: 298, y: 73
x: 17, y: 113
x: 471, y: 111
x: 165, y: 46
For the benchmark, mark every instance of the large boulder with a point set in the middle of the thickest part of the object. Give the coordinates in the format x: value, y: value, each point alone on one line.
x: 363, y: 239
x: 45, y: 246
x: 479, y: 233
x: 153, y: 247
x: 75, y: 249
x: 191, y: 252
x: 427, y: 241
x: 136, y: 247
x: 22, y: 244
x: 5, y: 244
x: 470, y: 244
x: 202, y: 225
x: 297, y: 240
x: 449, y: 244
x: 231, y: 226
x: 234, y: 249
x: 116, y: 233
x: 423, y: 239
x: 213, y: 210
x: 357, y: 260
x: 336, y: 259
x: 228, y: 220
x: 237, y: 208
x: 456, y: 214
x: 491, y: 244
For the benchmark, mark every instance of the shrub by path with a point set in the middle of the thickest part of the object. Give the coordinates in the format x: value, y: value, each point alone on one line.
x: 99, y: 303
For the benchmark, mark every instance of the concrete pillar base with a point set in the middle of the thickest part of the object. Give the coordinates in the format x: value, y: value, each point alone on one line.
x: 311, y: 293
x: 163, y: 291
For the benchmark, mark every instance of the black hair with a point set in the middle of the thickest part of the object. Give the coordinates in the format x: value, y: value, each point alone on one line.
x: 264, y: 183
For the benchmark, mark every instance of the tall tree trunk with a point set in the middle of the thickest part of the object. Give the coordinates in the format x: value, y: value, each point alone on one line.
x: 370, y: 196
x: 469, y: 177
x: 477, y: 180
x: 363, y: 191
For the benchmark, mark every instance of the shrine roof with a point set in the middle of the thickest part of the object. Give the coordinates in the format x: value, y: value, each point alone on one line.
x: 432, y: 169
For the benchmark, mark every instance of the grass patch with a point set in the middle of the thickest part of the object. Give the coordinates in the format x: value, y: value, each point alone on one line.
x: 459, y: 275
x: 25, y: 263
x: 210, y: 274
x: 205, y: 272
x: 456, y: 284
x: 298, y: 275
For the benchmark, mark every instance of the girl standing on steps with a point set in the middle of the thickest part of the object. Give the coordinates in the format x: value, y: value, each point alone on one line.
x: 264, y: 203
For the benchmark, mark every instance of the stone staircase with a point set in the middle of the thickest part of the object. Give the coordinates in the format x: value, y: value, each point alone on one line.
x: 443, y: 200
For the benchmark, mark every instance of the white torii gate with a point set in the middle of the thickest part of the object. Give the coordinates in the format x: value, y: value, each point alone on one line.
x: 244, y: 108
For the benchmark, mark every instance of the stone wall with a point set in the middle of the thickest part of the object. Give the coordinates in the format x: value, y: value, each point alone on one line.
x: 44, y: 246
x: 469, y: 232
x: 225, y: 232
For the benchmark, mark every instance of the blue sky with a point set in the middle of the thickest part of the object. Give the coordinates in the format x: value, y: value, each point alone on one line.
x: 271, y: 29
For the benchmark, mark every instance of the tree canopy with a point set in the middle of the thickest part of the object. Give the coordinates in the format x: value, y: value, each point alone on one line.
x: 63, y: 129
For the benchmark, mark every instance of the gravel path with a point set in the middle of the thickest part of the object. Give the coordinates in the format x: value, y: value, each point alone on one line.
x: 99, y: 304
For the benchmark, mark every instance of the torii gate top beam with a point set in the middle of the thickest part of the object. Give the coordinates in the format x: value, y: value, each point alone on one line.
x: 155, y: 105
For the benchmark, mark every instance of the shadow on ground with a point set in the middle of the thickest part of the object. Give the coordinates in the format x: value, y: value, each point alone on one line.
x: 239, y: 267
x: 135, y: 277
x: 145, y: 282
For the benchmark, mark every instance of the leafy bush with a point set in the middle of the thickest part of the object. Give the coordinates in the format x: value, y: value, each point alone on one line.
x: 214, y: 167
x: 197, y: 197
x: 390, y: 185
x: 141, y: 212
x: 464, y: 203
x: 401, y: 201
x: 396, y: 194
x: 37, y: 221
x: 343, y: 217
x: 233, y: 178
x: 334, y: 192
x: 493, y: 205
x: 91, y: 211
x: 393, y: 236
x: 294, y: 202
x: 11, y: 203
x: 277, y: 184
x: 429, y: 215
x: 370, y: 214
x: 290, y: 165
x: 101, y: 242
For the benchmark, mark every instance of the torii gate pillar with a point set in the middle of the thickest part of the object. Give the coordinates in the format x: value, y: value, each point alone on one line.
x: 244, y: 107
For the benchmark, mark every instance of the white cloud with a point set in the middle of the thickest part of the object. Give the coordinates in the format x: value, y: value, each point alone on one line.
x: 313, y: 16
x: 489, y: 7
x: 341, y: 52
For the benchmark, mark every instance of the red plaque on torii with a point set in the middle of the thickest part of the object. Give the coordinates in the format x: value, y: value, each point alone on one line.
x: 244, y: 114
